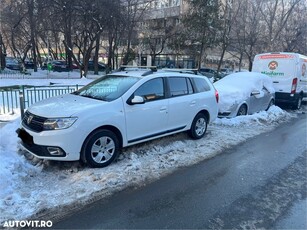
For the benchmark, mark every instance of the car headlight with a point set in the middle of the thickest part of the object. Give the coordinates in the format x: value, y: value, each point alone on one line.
x: 59, y: 123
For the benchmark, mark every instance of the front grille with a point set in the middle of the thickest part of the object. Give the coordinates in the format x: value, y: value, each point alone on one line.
x: 33, y: 122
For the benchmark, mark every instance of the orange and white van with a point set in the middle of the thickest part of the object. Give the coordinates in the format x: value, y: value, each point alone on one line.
x: 289, y: 75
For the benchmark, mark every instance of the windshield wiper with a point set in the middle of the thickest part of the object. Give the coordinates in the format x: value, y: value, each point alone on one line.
x: 92, y: 97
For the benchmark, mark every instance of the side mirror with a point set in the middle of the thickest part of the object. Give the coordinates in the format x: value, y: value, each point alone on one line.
x: 255, y: 92
x: 136, y: 100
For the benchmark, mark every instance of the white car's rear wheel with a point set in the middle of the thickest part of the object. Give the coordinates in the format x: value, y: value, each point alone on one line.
x: 199, y: 126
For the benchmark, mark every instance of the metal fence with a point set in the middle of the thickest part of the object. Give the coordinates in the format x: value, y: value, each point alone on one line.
x: 12, y: 98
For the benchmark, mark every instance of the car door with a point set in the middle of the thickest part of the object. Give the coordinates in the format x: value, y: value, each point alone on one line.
x: 259, y: 102
x: 149, y: 119
x: 182, y: 103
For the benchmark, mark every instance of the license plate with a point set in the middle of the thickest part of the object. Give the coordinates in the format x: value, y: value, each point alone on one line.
x: 25, y: 136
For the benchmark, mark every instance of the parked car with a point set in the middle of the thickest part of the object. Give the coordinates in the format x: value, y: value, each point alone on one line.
x: 211, y: 73
x: 59, y: 66
x: 29, y: 64
x: 115, y: 111
x: 226, y: 71
x: 244, y: 93
x: 12, y: 64
x: 101, y: 66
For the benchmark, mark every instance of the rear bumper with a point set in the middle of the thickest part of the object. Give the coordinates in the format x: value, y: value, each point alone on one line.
x: 286, y: 98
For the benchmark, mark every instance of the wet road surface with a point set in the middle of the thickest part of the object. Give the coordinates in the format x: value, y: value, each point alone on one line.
x: 259, y: 184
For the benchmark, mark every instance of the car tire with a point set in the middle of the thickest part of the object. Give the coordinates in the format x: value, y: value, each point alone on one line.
x: 199, y: 126
x: 242, y: 110
x: 270, y: 104
x: 298, y: 103
x: 101, y: 148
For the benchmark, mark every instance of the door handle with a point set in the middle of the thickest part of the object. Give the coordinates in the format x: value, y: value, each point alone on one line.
x: 192, y: 103
x: 163, y: 109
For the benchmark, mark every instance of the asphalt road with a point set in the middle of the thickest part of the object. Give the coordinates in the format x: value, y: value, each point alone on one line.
x: 260, y: 184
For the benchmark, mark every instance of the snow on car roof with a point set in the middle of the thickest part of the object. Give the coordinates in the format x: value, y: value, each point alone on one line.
x: 237, y: 87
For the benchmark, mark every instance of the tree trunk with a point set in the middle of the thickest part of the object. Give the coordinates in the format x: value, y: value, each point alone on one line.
x: 96, y: 55
x: 32, y: 31
x: 2, y: 54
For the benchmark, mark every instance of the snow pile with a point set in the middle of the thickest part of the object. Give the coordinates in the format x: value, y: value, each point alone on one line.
x: 274, y: 114
x: 33, y: 82
x: 236, y: 88
x: 13, y: 166
x: 31, y: 188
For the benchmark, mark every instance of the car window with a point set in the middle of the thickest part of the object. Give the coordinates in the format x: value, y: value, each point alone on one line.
x: 151, y: 90
x: 264, y: 89
x: 107, y: 88
x: 190, y: 87
x: 201, y: 85
x: 179, y: 86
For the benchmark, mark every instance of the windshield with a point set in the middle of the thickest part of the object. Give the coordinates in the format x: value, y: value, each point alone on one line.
x: 107, y: 88
x: 11, y: 61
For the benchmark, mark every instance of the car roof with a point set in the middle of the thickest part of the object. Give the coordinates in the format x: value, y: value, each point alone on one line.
x: 145, y: 72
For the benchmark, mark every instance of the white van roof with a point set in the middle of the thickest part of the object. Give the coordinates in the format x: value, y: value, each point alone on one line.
x: 279, y: 55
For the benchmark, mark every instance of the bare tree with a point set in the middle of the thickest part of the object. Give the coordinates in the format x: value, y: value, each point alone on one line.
x: 248, y: 33
x: 156, y: 34
x: 276, y: 14
x: 293, y: 37
x: 228, y: 12
x: 133, y: 13
x: 16, y: 28
x: 201, y: 23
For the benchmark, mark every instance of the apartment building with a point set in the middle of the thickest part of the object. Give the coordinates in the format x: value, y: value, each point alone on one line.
x: 159, y: 26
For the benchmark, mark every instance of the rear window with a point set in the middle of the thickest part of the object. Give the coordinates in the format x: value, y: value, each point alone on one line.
x: 201, y: 85
x: 180, y: 86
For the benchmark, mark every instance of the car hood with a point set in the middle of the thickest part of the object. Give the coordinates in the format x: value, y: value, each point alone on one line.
x: 64, y: 106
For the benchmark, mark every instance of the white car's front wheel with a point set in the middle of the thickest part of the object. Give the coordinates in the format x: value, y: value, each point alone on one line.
x: 242, y: 110
x: 101, y: 148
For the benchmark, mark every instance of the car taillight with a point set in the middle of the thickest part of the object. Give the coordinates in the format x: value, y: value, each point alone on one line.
x: 294, y: 85
x: 217, y: 96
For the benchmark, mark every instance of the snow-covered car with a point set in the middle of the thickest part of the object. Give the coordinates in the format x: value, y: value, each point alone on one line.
x: 244, y: 93
x: 115, y: 111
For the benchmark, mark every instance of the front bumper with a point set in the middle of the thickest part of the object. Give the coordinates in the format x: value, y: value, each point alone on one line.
x: 224, y: 114
x: 39, y: 151
x: 58, y: 145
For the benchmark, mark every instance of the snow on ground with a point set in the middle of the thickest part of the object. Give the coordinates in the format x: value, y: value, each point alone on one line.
x: 30, y: 188
x: 44, y: 77
x: 41, y: 78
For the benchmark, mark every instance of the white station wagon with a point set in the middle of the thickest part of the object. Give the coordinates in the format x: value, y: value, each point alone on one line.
x: 115, y: 111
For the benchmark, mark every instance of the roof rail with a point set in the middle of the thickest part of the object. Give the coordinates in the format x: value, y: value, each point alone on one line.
x: 194, y: 71
x: 135, y: 68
